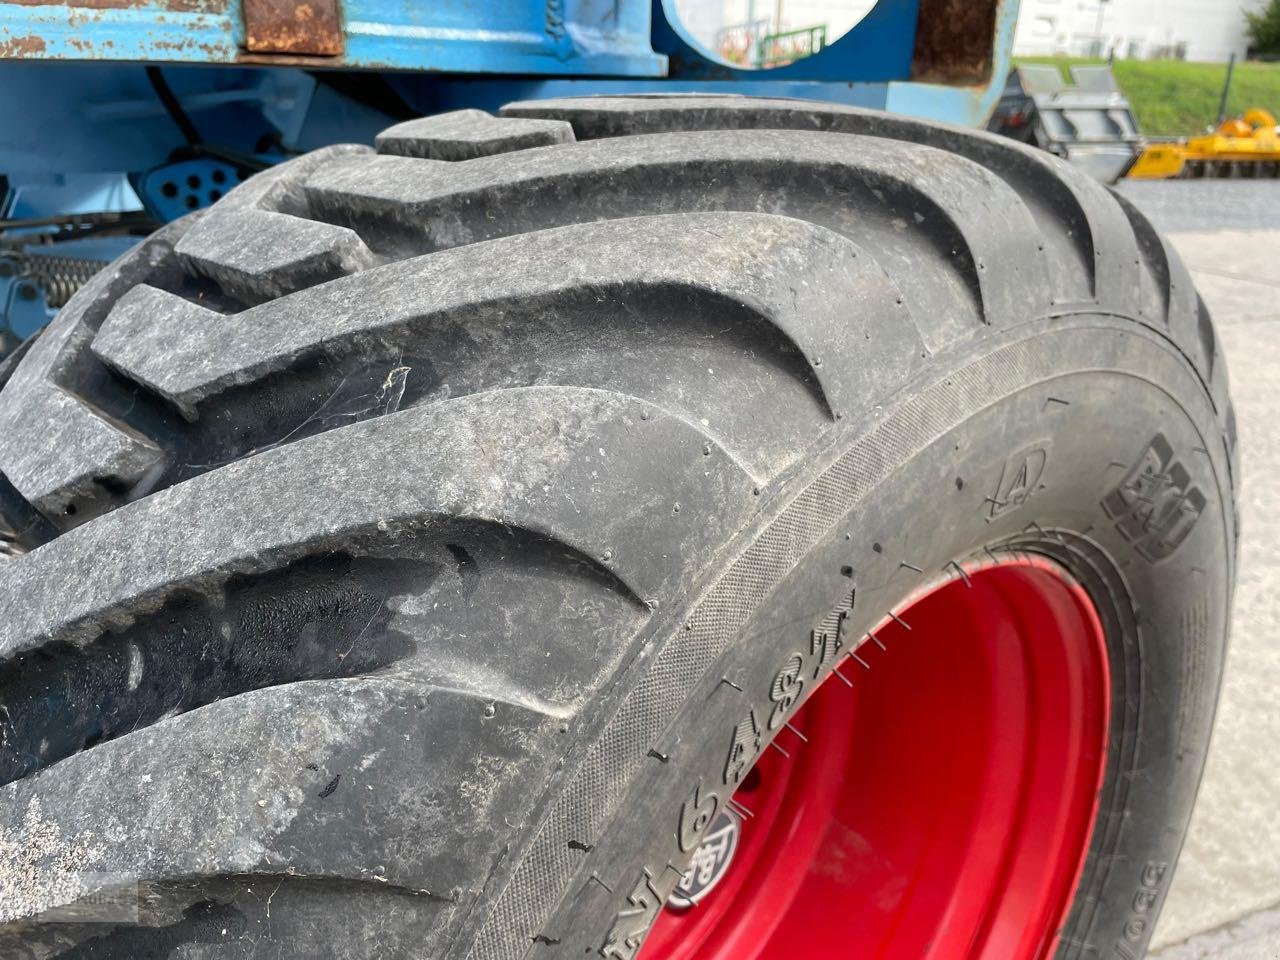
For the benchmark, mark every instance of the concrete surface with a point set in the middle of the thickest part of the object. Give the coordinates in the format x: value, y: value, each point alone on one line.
x: 1224, y: 903
x: 1256, y: 937
x: 1177, y: 206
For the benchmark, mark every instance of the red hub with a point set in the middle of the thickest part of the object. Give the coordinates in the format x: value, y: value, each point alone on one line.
x: 939, y: 804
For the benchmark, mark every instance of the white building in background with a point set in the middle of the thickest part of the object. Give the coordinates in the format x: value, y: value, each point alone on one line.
x: 1208, y: 30
x: 1133, y: 29
x: 715, y: 22
x: 796, y: 14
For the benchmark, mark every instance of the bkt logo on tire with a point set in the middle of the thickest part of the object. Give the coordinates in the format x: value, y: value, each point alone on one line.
x: 1156, y: 504
x: 710, y: 862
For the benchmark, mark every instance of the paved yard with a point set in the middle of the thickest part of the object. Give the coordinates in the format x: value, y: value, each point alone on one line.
x: 1225, y: 900
x: 1178, y: 206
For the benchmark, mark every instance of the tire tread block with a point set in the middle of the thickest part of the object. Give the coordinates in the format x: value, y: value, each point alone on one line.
x: 541, y: 459
x: 257, y: 255
x: 41, y: 403
x: 467, y: 134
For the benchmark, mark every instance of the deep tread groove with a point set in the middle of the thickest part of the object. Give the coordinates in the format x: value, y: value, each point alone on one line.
x: 298, y: 623
x: 206, y: 912
x: 21, y: 526
x: 1156, y: 281
x: 1208, y: 337
x: 549, y: 435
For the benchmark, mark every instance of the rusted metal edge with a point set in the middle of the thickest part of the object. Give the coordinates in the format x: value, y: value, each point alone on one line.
x: 308, y: 27
x: 955, y: 41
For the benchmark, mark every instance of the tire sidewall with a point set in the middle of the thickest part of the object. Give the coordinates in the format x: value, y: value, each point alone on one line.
x: 1085, y: 399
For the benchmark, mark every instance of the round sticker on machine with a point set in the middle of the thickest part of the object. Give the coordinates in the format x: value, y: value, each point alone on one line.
x: 710, y: 862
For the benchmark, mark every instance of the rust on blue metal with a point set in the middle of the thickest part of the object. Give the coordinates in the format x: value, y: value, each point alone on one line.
x: 941, y: 59
x: 964, y: 101
x: 563, y: 37
x: 311, y: 27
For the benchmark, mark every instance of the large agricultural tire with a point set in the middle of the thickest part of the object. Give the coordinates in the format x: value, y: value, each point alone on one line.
x: 412, y: 553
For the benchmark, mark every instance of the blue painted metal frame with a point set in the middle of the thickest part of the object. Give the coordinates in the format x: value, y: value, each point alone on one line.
x: 96, y: 117
x: 497, y: 36
x: 507, y: 49
x: 22, y: 303
x: 587, y: 45
x: 68, y: 128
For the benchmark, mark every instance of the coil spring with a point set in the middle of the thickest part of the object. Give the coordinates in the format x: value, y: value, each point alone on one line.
x: 59, y: 276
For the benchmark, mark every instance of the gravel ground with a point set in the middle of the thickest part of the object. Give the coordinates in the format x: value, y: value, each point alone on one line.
x: 1224, y: 903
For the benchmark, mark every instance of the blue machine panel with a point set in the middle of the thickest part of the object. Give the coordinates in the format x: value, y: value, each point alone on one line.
x: 497, y: 36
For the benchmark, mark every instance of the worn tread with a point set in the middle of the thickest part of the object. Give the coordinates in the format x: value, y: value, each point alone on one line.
x: 241, y: 821
x: 1083, y: 232
x: 401, y: 207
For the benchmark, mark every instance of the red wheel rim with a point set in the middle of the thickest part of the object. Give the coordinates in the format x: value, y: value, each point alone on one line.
x: 937, y: 806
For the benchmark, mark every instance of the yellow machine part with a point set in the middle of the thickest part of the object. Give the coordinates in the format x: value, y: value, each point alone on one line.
x: 1249, y: 143
x: 1258, y: 118
x: 1159, y: 161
